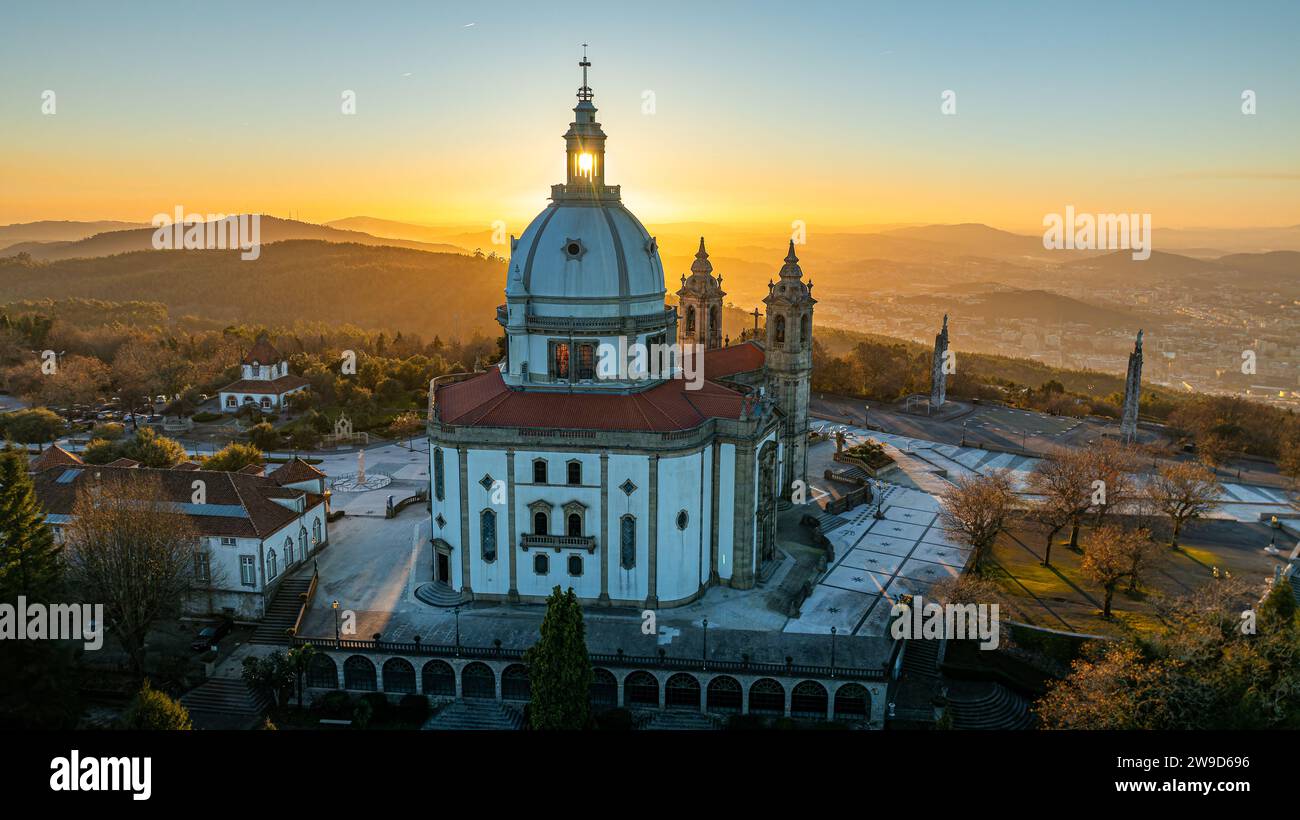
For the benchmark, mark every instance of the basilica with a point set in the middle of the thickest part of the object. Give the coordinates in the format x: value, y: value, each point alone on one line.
x: 634, y: 489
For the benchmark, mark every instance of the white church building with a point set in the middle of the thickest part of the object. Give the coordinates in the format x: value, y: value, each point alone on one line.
x: 546, y: 470
x: 265, y: 381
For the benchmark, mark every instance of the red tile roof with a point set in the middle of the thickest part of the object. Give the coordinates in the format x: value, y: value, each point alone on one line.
x: 237, y: 504
x: 728, y: 361
x: 54, y: 456
x: 262, y: 352
x: 293, y: 471
x: 123, y: 462
x: 266, y: 386
x: 486, y: 401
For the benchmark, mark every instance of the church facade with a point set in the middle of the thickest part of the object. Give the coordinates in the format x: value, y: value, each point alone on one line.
x: 633, y: 487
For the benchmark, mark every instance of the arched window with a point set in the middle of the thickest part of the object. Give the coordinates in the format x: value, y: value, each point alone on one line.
x: 808, y: 700
x: 477, y: 680
x: 640, y: 689
x: 438, y: 474
x: 604, y: 688
x: 803, y: 330
x: 724, y: 695
x: 682, y: 690
x: 302, y: 541
x: 780, y: 330
x: 514, y: 683
x: 575, y: 525
x: 541, y: 524
x: 690, y: 319
x: 288, y: 552
x: 487, y: 535
x: 322, y: 672
x: 539, y: 471
x: 438, y: 678
x: 575, y: 565
x: 399, y: 676
x: 627, y: 542
x: 359, y: 674
x: 315, y: 532
x: 541, y: 564
x: 766, y: 697
x: 852, y: 702
x: 271, y: 569
x: 715, y: 323
x: 575, y: 472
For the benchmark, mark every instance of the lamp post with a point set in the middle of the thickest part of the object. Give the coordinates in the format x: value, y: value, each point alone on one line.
x: 866, y: 413
x: 706, y: 644
x: 457, y: 611
x: 335, y: 607
x: 833, y: 631
x: 963, y: 431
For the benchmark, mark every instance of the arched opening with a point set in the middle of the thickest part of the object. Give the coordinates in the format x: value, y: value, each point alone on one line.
x: 478, y: 681
x: 808, y: 699
x: 399, y: 676
x: 438, y: 678
x: 575, y: 525
x: 780, y: 330
x: 322, y: 672
x: 604, y: 688
x: 724, y: 695
x: 766, y: 697
x: 640, y: 689
x: 539, y: 471
x: 514, y: 683
x: 852, y: 702
x: 803, y: 330
x: 359, y: 674
x: 682, y: 691
x: 627, y: 542
x: 541, y: 523
x: 690, y: 319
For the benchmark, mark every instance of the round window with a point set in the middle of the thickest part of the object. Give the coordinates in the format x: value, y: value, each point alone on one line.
x: 683, y: 518
x: 573, y: 249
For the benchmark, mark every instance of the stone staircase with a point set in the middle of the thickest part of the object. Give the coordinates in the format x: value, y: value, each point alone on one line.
x: 438, y: 593
x: 476, y: 714
x: 224, y: 703
x: 281, y: 613
x: 921, y: 660
x: 988, y: 706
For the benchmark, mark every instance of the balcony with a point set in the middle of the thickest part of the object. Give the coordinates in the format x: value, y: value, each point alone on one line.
x: 558, y: 542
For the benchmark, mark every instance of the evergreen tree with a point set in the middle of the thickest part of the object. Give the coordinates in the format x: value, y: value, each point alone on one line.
x: 30, y: 563
x: 558, y: 667
x: 155, y: 710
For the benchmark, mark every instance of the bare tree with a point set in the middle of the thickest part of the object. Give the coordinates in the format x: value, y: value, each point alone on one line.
x: 131, y: 550
x: 1065, y: 485
x: 1109, y: 557
x: 978, y: 507
x: 1114, y: 465
x: 1181, y: 492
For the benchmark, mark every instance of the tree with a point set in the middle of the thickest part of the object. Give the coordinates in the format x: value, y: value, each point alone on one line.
x: 1063, y: 482
x: 1113, y: 686
x: 234, y: 457
x: 1108, y: 557
x: 978, y: 507
x: 155, y: 711
x: 264, y: 436
x: 1212, y: 449
x: 128, y: 549
x: 1288, y: 459
x: 558, y: 666
x: 30, y: 561
x: 300, y: 661
x: 35, y: 426
x: 1112, y: 464
x: 406, y: 425
x: 272, y: 674
x: 145, y: 446
x: 1181, y: 492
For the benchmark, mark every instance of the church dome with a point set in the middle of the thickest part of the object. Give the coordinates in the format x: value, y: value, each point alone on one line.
x: 580, y: 250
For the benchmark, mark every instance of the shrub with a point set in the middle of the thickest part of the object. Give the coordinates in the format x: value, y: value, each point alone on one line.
x: 380, y: 709
x: 614, y: 720
x: 361, y: 714
x: 413, y: 708
x: 154, y: 710
x: 204, y: 417
x: 335, y: 705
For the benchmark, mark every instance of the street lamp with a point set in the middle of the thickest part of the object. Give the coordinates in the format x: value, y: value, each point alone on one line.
x: 457, y: 611
x: 706, y: 644
x: 866, y: 410
x: 963, y: 431
x: 335, y: 606
x: 833, y: 631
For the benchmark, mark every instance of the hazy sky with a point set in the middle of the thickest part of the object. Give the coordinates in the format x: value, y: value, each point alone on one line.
x: 764, y: 112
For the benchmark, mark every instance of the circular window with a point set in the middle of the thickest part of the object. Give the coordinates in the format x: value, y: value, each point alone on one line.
x: 573, y: 249
x: 683, y: 518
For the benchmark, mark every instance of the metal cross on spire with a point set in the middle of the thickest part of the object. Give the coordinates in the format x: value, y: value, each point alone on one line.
x: 584, y: 93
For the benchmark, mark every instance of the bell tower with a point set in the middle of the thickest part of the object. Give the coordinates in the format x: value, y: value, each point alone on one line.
x: 788, y: 351
x: 585, y: 142
x: 699, y: 305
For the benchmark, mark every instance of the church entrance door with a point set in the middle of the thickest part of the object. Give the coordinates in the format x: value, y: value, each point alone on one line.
x: 444, y: 569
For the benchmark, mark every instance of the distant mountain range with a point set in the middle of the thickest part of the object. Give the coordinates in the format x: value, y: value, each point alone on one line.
x: 273, y: 229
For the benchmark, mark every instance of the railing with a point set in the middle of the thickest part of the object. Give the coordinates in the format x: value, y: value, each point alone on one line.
x: 619, y: 659
x: 557, y: 542
x: 306, y: 599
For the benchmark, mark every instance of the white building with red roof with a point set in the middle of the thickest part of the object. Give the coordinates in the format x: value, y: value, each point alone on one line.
x: 634, y: 488
x: 265, y: 381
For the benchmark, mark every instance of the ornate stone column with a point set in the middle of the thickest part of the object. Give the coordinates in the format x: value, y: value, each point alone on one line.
x: 652, y: 589
x: 462, y: 458
x: 512, y: 535
x: 604, y: 527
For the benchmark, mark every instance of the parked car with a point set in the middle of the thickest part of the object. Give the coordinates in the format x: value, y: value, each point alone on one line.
x: 208, y: 637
